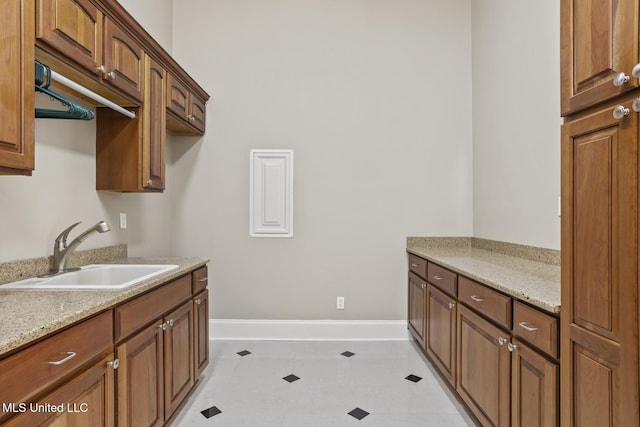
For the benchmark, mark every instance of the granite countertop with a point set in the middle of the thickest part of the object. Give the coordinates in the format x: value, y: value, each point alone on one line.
x: 524, y: 277
x: 30, y: 314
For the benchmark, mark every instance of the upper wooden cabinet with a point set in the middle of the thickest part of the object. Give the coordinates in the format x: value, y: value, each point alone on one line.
x: 123, y: 60
x: 74, y: 29
x: 186, y: 109
x: 16, y: 87
x: 599, y: 40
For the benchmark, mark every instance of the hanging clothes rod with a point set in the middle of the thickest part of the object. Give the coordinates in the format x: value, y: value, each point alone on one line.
x: 86, y: 92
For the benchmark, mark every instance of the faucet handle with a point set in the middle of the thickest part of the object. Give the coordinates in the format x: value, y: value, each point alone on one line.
x: 62, y: 238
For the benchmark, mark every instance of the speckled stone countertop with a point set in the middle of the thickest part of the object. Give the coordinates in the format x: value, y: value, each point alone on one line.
x: 30, y: 314
x: 532, y: 276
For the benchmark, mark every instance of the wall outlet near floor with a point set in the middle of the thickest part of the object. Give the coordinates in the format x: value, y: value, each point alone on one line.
x: 123, y: 220
x: 340, y: 303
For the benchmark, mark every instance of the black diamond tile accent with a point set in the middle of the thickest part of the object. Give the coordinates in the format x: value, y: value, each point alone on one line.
x: 244, y: 353
x: 348, y: 354
x: 291, y: 378
x: 413, y: 378
x: 210, y: 412
x: 358, y: 413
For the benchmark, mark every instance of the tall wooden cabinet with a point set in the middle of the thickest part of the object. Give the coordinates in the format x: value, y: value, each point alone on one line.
x: 599, y: 162
x: 16, y: 87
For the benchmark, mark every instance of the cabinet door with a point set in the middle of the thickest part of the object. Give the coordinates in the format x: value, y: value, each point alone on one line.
x: 417, y: 306
x: 599, y: 317
x: 197, y: 113
x: 140, y: 399
x: 441, y: 332
x: 534, y: 388
x: 484, y: 368
x: 201, y: 325
x: 87, y: 400
x: 178, y: 362
x: 153, y: 143
x: 16, y: 87
x: 123, y: 60
x: 177, y: 98
x: 599, y: 39
x: 72, y: 28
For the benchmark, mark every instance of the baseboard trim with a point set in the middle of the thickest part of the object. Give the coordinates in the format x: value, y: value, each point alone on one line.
x: 308, y: 330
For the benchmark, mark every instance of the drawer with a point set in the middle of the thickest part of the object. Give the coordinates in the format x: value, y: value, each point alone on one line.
x: 537, y: 328
x: 486, y: 301
x: 443, y: 279
x: 418, y: 265
x: 200, y: 279
x: 32, y: 370
x: 137, y: 313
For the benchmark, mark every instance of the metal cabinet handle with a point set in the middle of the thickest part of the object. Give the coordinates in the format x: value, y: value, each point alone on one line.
x: 476, y: 298
x: 511, y: 347
x: 111, y: 75
x: 414, y: 265
x: 163, y: 326
x: 636, y: 105
x: 502, y: 341
x: 149, y: 182
x: 620, y: 79
x: 70, y: 355
x: 635, y: 72
x: 524, y: 326
x: 198, y: 301
x: 102, y: 69
x: 423, y: 285
x: 619, y: 112
x: 437, y: 277
x: 204, y: 279
x: 114, y: 364
x: 451, y: 306
x: 171, y: 322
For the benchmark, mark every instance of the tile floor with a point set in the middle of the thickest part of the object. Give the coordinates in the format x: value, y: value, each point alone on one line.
x: 317, y: 384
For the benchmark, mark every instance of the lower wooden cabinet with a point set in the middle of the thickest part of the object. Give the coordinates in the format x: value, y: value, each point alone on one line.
x: 484, y: 368
x: 178, y: 357
x: 88, y: 400
x: 417, y: 307
x: 201, y: 336
x: 441, y: 332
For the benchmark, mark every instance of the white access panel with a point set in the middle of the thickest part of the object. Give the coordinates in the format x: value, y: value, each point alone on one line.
x: 271, y: 193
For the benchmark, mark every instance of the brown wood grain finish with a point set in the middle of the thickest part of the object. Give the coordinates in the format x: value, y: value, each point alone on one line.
x: 31, y: 371
x: 74, y: 28
x: 200, y: 279
x: 140, y: 377
x: 133, y: 315
x: 123, y: 60
x: 599, y: 39
x: 441, y: 333
x: 536, y: 327
x: 445, y: 280
x: 534, y: 389
x: 483, y: 369
x: 186, y: 109
x: 201, y: 335
x: 17, y: 132
x: 418, y: 265
x: 87, y: 400
x: 417, y: 308
x: 153, y: 138
x: 486, y: 301
x: 178, y: 357
x: 599, y: 316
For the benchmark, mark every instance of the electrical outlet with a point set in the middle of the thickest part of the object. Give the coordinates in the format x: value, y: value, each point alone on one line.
x: 340, y: 303
x: 123, y: 220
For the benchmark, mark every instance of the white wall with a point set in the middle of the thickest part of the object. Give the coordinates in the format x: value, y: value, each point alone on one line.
x: 34, y: 210
x: 375, y: 99
x: 516, y: 121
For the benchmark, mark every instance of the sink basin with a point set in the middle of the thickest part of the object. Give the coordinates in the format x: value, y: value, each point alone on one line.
x: 95, y: 276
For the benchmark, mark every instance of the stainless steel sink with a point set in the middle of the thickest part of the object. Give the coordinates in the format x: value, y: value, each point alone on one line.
x: 95, y: 276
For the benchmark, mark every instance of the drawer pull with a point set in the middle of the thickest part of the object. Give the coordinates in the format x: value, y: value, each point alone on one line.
x: 70, y: 355
x: 163, y: 326
x: 620, y: 112
x: 451, y: 305
x: 524, y: 326
x: 114, y: 364
x: 476, y: 298
x: 437, y: 277
x: 511, y: 347
x: 414, y: 265
x: 620, y: 79
x: 502, y: 341
x: 204, y: 279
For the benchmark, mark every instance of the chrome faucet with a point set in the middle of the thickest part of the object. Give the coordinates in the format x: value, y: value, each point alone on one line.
x: 62, y: 252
